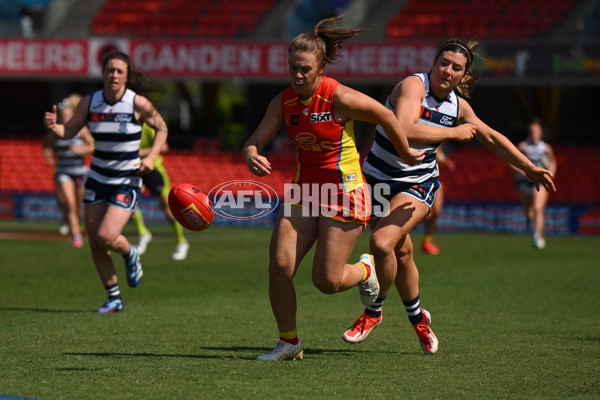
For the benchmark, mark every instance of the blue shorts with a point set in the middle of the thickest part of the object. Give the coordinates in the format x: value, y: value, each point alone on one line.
x: 126, y: 197
x: 524, y: 185
x: 383, y: 192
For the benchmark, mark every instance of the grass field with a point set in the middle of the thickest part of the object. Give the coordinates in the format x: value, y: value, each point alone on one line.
x: 512, y: 322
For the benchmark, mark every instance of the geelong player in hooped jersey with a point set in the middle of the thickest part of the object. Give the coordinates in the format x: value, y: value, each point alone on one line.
x: 114, y: 115
x: 70, y: 170
x: 318, y: 114
x: 534, y: 201
x: 383, y: 165
x: 430, y: 112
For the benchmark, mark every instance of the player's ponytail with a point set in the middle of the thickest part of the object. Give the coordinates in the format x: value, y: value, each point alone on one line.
x: 325, y: 41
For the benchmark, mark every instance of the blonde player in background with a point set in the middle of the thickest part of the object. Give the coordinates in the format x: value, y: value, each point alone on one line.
x: 70, y: 170
x: 158, y: 183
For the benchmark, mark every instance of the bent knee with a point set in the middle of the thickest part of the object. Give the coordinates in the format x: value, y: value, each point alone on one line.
x: 280, y: 271
x: 104, y: 241
x: 384, y: 243
x: 325, y: 285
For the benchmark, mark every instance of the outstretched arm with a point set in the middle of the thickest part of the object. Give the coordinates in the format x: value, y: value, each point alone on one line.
x: 503, y: 148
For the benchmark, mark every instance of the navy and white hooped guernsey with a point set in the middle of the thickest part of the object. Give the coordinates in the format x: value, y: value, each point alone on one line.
x: 117, y: 135
x: 67, y: 161
x: 383, y: 164
x: 536, y: 153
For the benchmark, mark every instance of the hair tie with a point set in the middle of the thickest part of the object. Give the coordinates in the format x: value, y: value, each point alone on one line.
x: 459, y: 45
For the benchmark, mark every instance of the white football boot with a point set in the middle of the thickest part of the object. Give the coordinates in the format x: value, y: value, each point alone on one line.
x: 283, y: 351
x: 369, y: 289
x: 143, y: 242
x: 181, y: 251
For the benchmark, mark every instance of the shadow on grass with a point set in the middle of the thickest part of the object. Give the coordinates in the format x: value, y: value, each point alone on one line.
x: 161, y: 355
x: 77, y: 369
x: 41, y: 310
x: 230, y: 353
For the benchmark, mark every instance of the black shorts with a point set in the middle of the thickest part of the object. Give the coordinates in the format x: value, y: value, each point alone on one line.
x: 154, y: 182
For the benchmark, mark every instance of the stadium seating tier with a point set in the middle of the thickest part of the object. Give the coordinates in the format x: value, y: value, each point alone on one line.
x: 179, y: 18
x: 501, y: 19
x: 478, y: 176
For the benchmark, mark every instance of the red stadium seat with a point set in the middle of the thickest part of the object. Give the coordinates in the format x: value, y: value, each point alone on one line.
x: 213, y: 18
x: 478, y: 176
x: 501, y: 19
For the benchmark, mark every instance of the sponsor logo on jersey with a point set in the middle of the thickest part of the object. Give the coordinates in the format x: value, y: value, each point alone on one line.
x: 122, y: 118
x: 320, y: 117
x: 437, y: 117
x: 446, y: 120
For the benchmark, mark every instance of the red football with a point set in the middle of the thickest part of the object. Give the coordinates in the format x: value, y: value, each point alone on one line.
x: 191, y: 207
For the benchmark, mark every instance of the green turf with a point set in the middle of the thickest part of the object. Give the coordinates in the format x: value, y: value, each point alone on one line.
x: 512, y: 322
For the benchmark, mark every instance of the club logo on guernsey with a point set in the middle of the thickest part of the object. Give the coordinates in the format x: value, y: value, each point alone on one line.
x: 308, y: 141
x: 320, y: 117
x: 305, y: 138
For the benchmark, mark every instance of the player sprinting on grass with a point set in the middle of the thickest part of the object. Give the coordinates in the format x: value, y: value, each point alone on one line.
x: 430, y: 112
x: 318, y: 113
x: 70, y: 170
x: 158, y: 183
x: 534, y: 201
x: 114, y: 115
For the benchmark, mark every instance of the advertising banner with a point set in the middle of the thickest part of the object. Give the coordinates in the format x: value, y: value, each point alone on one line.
x: 525, y: 63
